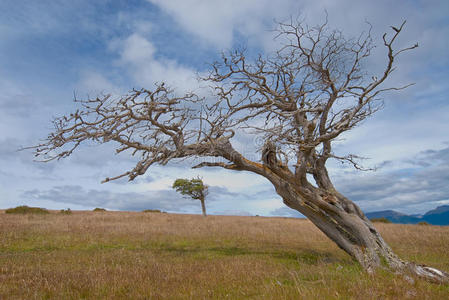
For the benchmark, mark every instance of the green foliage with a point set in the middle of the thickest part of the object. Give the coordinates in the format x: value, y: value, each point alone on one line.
x: 67, y: 211
x: 26, y: 210
x: 151, y: 211
x: 380, y: 220
x: 194, y: 187
x: 98, y: 209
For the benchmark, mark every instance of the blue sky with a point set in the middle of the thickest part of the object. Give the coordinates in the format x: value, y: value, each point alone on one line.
x: 51, y: 50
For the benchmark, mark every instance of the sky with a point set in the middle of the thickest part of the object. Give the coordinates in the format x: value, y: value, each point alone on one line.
x: 52, y: 51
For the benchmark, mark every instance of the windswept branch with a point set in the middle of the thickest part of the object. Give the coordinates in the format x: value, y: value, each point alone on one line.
x: 299, y: 98
x: 217, y: 164
x: 354, y: 160
x: 313, y: 89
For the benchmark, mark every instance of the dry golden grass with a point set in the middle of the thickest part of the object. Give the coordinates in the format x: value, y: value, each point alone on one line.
x: 126, y: 255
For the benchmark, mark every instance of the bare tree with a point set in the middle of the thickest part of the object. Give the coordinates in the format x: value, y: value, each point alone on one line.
x: 299, y: 100
x: 194, y: 188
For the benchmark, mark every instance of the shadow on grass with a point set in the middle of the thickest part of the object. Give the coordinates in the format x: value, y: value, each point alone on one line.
x: 193, y: 249
x: 303, y: 256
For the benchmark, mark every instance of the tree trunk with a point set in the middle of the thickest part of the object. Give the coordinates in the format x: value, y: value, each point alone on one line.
x: 344, y: 223
x: 336, y: 216
x: 203, y: 207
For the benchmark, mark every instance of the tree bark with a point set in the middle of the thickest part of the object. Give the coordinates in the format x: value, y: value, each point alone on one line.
x: 344, y: 223
x: 337, y: 217
x: 203, y: 207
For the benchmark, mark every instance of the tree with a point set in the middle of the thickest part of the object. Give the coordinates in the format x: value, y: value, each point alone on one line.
x: 299, y: 100
x: 194, y: 188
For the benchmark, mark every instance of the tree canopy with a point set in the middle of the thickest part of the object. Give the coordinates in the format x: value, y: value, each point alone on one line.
x: 194, y: 188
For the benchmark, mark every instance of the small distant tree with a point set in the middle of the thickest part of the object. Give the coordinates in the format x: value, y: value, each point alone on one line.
x: 381, y: 220
x: 194, y: 188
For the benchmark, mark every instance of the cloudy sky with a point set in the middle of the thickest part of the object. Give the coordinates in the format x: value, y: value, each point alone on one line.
x: 51, y: 50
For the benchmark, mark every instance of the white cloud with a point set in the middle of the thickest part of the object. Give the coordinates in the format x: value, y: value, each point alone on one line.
x: 76, y: 195
x: 421, y: 184
x: 285, y: 211
x: 139, y: 56
x: 216, y: 22
x: 220, y: 22
x: 137, y: 50
x: 94, y: 83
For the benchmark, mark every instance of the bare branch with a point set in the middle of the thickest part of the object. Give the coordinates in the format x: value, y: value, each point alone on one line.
x: 354, y: 161
x: 299, y: 98
x: 216, y: 164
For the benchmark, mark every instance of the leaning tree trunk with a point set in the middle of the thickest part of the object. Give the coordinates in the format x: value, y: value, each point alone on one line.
x: 344, y: 223
x: 336, y: 216
x: 203, y: 207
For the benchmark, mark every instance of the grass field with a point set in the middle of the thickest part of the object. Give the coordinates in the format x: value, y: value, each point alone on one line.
x: 132, y: 255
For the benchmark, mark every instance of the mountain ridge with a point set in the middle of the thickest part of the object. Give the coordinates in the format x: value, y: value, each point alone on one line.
x: 436, y: 216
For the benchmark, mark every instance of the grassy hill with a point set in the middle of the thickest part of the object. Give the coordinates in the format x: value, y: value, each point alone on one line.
x: 131, y: 255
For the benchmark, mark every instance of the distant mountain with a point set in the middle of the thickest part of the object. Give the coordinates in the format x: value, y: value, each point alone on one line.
x: 384, y: 214
x: 437, y: 216
x: 394, y: 216
x: 439, y: 210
